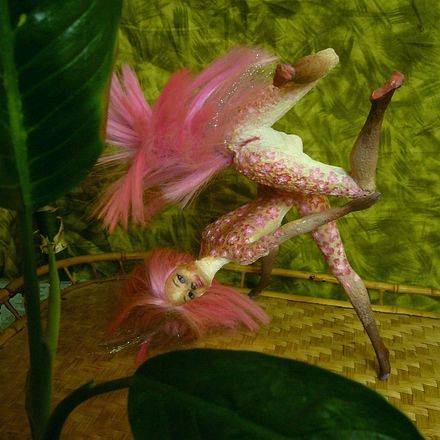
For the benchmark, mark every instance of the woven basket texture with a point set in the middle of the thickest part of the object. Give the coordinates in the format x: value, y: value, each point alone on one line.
x: 328, y: 336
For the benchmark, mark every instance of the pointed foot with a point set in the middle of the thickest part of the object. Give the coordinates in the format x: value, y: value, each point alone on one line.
x: 394, y: 82
x: 384, y: 376
x: 364, y: 202
x: 253, y: 293
x: 383, y: 356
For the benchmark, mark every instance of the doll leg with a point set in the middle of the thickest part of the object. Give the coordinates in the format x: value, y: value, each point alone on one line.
x: 267, y: 263
x: 297, y: 227
x: 365, y: 151
x: 290, y: 84
x: 329, y: 241
x: 277, y: 160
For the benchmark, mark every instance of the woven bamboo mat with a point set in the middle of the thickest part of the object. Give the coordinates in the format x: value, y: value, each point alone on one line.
x: 328, y: 336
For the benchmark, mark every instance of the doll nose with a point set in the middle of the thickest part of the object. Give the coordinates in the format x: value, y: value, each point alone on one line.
x: 313, y: 67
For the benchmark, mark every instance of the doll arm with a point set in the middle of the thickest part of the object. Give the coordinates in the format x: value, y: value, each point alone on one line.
x: 267, y: 263
x: 312, y: 221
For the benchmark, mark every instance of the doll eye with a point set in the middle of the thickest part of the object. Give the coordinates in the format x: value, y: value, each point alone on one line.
x: 193, y: 286
x: 180, y: 278
x: 191, y: 295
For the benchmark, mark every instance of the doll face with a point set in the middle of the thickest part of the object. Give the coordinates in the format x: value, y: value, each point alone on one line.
x: 185, y: 284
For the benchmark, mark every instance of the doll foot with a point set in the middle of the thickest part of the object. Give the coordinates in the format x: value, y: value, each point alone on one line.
x: 384, y: 364
x: 384, y: 376
x: 253, y: 293
x: 394, y: 82
x: 284, y: 73
x: 364, y: 202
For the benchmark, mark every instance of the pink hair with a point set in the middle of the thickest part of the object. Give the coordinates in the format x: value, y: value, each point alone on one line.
x: 177, y: 147
x: 146, y: 308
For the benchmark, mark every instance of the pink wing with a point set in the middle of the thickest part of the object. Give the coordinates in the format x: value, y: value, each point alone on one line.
x: 173, y: 150
x: 129, y: 130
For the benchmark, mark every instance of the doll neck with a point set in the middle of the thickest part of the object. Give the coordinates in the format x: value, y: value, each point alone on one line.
x: 209, y: 266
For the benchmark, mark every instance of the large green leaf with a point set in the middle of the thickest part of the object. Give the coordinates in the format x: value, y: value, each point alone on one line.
x: 55, y: 58
x: 216, y: 394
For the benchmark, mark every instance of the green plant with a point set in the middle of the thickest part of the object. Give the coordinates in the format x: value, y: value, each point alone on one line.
x: 225, y: 394
x: 55, y: 63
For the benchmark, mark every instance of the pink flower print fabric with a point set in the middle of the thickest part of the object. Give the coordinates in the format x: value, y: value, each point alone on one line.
x: 245, y: 235
x: 327, y: 237
x: 275, y: 159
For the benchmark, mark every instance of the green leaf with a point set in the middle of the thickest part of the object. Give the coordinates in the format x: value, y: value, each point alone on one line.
x: 216, y: 394
x: 55, y: 59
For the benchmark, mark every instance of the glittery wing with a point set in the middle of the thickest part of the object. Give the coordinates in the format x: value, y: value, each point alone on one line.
x: 174, y: 149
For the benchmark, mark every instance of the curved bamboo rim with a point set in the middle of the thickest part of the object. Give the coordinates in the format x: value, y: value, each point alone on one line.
x: 313, y: 276
x: 13, y: 287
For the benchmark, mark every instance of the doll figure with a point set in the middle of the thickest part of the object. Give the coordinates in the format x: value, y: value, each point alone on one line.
x: 174, y: 297
x: 223, y: 117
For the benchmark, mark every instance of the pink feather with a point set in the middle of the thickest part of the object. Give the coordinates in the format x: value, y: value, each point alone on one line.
x: 145, y: 308
x: 174, y: 149
x: 129, y: 127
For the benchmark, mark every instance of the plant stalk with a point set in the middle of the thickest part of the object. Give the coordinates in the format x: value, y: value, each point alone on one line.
x: 39, y: 387
x: 47, y: 224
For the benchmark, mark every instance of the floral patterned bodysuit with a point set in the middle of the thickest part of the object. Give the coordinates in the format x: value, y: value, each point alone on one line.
x: 251, y: 231
x: 276, y: 159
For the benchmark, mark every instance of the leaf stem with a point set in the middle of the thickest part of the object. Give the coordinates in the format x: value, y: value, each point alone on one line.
x: 39, y: 387
x: 50, y: 227
x: 69, y: 403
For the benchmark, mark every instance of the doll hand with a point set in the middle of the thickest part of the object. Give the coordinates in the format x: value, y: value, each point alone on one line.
x: 364, y: 202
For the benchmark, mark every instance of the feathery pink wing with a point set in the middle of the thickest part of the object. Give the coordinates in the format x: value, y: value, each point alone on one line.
x: 129, y: 130
x: 173, y: 150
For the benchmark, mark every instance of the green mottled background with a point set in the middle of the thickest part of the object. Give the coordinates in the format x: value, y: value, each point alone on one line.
x: 397, y: 240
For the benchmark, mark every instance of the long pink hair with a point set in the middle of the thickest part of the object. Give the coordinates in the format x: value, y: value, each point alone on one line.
x: 146, y: 310
x: 176, y: 147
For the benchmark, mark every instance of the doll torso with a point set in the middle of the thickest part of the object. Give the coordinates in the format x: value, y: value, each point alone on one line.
x: 245, y: 235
